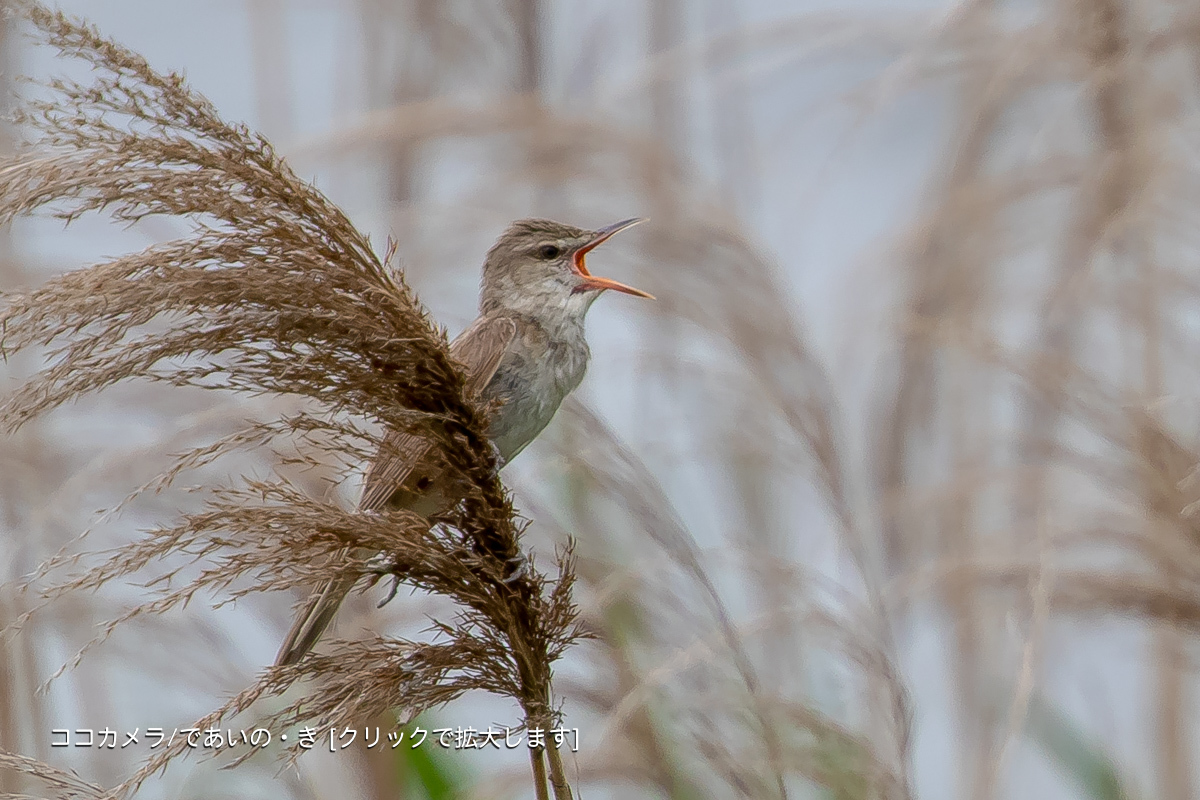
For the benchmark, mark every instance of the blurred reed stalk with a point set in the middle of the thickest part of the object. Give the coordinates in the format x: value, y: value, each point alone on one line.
x: 1017, y: 451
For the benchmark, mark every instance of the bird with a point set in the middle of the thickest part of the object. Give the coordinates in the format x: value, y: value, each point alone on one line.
x: 526, y: 351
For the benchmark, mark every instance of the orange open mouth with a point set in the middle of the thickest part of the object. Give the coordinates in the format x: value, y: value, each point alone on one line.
x: 591, y: 281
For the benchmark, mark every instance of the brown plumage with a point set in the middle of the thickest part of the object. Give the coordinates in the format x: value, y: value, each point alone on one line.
x: 526, y: 350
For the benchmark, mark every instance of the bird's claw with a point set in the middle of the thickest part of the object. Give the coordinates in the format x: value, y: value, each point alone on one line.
x: 382, y: 565
x: 520, y: 565
x: 497, y: 459
x: 395, y: 587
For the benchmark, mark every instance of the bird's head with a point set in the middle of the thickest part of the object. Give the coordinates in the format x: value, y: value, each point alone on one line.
x: 539, y: 264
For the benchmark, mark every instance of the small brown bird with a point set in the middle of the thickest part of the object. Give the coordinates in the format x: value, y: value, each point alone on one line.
x: 526, y: 350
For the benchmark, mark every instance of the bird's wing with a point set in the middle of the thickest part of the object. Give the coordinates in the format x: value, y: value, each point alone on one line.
x: 479, y: 348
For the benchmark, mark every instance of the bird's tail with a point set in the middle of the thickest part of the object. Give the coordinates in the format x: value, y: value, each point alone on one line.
x: 313, y: 619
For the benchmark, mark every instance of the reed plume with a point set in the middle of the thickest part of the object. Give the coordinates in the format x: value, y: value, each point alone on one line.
x: 273, y: 292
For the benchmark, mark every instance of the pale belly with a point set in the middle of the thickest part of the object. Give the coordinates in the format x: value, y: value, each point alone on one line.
x: 531, y: 393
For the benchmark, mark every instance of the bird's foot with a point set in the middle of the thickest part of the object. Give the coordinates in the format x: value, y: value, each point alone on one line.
x: 381, y: 565
x: 520, y: 568
x: 497, y: 459
x: 391, y: 595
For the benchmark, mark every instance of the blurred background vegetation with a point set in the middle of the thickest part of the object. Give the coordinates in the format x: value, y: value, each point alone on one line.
x: 891, y: 494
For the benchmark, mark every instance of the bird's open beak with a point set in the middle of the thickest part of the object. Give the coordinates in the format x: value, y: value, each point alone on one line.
x: 591, y: 281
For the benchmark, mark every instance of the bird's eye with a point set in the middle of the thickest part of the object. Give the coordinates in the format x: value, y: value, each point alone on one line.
x: 549, y: 251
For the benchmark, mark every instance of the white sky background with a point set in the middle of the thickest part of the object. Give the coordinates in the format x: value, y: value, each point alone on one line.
x: 823, y: 210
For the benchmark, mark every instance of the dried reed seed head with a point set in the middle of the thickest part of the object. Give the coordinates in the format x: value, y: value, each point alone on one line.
x: 274, y: 292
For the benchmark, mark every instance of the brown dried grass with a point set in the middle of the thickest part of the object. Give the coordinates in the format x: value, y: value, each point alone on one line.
x: 1006, y: 483
x: 274, y: 293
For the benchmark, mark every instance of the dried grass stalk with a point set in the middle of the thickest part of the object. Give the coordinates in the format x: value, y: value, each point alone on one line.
x: 273, y: 292
x: 61, y: 784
